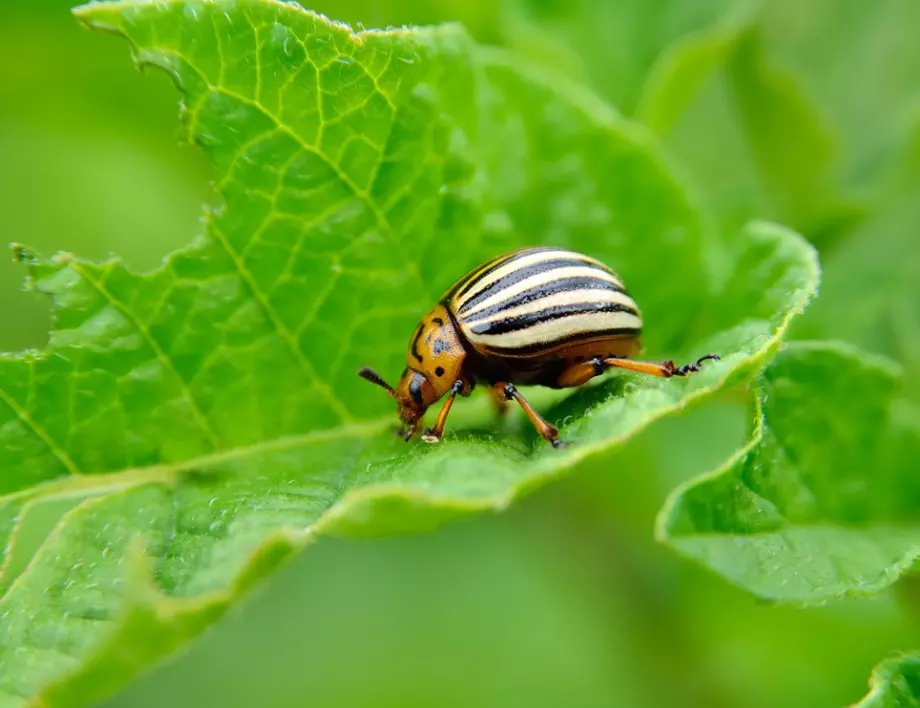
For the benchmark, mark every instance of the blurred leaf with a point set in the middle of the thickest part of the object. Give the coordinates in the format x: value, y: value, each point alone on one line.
x: 656, y: 61
x: 754, y: 139
x: 823, y: 502
x: 615, y: 45
x: 792, y: 145
x: 207, y: 415
x: 895, y: 683
x: 686, y: 63
x: 590, y: 612
x: 860, y: 63
x: 871, y: 293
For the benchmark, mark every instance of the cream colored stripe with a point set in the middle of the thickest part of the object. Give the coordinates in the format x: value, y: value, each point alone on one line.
x: 533, y: 281
x: 523, y: 262
x: 551, y: 331
x: 572, y: 297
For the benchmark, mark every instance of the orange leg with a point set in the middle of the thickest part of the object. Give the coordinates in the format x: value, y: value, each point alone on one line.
x: 577, y: 374
x: 434, y: 435
x: 550, y: 433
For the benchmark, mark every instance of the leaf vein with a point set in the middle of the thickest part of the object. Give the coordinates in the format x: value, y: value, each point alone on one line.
x: 362, y: 194
x: 40, y: 431
x: 286, y: 335
x: 160, y: 353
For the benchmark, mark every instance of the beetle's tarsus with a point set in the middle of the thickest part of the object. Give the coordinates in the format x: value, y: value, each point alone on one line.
x: 708, y: 357
x: 692, y: 368
x: 559, y: 444
x: 430, y: 437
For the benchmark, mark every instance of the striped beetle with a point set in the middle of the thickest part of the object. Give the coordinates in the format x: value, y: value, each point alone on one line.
x: 540, y: 316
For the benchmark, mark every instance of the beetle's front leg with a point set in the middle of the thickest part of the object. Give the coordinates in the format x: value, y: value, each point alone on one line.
x: 577, y: 374
x: 434, y: 435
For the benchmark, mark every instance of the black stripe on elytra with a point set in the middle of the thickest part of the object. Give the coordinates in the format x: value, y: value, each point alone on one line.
x: 464, y: 285
x: 539, y: 347
x: 522, y: 274
x: 547, y: 290
x: 519, y: 322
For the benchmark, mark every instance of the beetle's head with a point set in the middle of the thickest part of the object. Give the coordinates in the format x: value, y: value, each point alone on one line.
x: 433, y: 364
x: 414, y: 394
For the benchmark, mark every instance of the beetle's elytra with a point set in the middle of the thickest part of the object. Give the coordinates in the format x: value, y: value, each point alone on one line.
x: 539, y: 316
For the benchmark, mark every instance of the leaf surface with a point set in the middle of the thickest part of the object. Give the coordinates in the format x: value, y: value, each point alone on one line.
x: 823, y: 502
x: 206, y: 418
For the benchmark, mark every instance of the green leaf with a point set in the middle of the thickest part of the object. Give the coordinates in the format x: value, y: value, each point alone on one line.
x: 824, y: 500
x: 792, y: 142
x: 615, y: 45
x: 205, y: 418
x: 707, y: 76
x: 895, y: 683
x: 686, y: 63
x: 871, y: 291
x: 861, y: 65
x: 753, y: 136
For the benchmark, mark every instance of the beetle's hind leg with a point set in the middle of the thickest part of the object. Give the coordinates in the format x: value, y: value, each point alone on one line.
x: 550, y: 433
x: 577, y: 374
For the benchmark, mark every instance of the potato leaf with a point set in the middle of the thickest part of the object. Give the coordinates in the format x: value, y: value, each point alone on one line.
x: 824, y: 501
x: 205, y: 418
x: 895, y: 683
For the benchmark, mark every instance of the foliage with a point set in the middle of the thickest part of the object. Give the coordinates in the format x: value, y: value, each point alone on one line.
x: 198, y: 423
x: 894, y: 683
x: 823, y: 501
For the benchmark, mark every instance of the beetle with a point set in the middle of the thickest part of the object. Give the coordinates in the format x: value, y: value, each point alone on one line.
x: 535, y: 316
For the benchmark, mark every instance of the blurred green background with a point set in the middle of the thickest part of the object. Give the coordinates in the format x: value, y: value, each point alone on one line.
x: 804, y: 112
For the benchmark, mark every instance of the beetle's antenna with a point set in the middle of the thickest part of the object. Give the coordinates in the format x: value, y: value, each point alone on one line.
x: 372, y: 376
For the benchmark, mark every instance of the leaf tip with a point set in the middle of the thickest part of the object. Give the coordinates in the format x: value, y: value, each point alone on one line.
x: 84, y: 13
x: 98, y: 15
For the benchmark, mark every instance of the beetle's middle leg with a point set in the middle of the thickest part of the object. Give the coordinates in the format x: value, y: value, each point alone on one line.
x: 550, y: 433
x: 577, y: 374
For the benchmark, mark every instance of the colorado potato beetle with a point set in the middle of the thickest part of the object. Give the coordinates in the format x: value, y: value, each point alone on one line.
x: 539, y: 316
